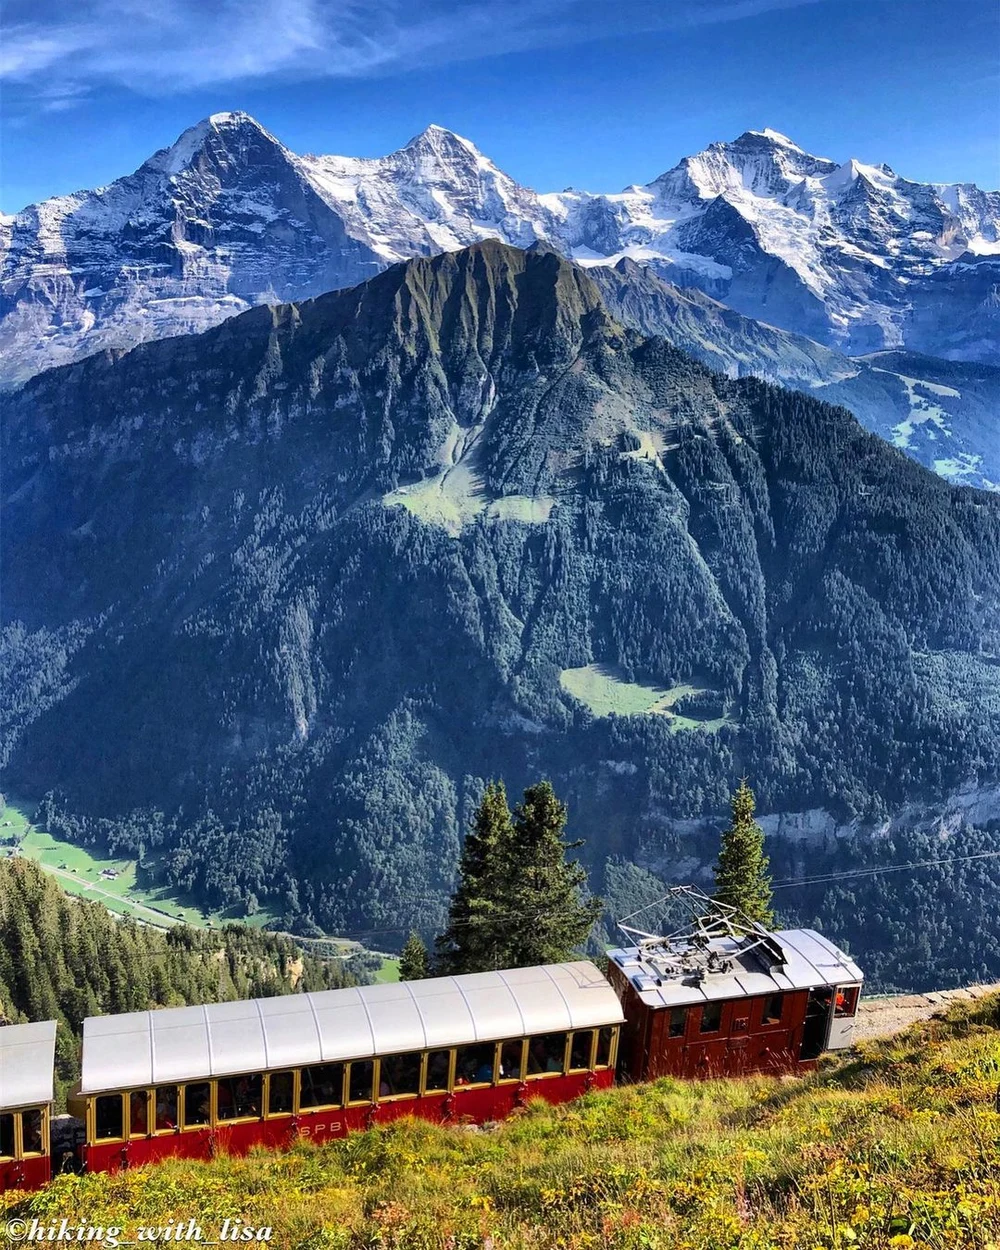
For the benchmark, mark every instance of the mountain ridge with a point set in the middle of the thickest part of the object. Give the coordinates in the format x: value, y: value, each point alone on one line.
x: 227, y: 217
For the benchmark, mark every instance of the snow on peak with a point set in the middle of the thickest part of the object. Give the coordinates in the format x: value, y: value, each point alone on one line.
x: 238, y: 118
x: 775, y: 136
x: 177, y: 157
x: 442, y: 143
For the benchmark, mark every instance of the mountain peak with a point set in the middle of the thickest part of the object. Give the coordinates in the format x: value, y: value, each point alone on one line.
x: 551, y: 286
x: 227, y: 127
x: 775, y: 136
x: 441, y: 143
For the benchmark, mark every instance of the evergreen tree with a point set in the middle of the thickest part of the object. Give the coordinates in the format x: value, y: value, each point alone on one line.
x: 478, y: 927
x: 414, y: 964
x: 549, y: 914
x: 64, y: 959
x: 741, y: 876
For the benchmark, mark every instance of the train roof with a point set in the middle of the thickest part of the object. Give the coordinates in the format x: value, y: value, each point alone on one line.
x: 736, y: 967
x: 184, y: 1043
x: 27, y: 1056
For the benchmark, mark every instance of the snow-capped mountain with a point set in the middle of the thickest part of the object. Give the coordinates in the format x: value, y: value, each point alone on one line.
x: 851, y: 255
x: 226, y: 218
x: 437, y: 194
x: 221, y: 220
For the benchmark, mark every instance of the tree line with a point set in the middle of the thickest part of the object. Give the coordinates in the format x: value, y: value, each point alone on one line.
x: 520, y: 902
x: 65, y: 959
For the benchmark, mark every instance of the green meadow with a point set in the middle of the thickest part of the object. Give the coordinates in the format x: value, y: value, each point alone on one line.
x: 113, y: 882
x: 606, y: 694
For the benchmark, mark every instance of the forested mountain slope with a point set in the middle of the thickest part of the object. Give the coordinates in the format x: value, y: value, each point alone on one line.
x: 942, y: 413
x: 304, y: 582
x: 62, y: 959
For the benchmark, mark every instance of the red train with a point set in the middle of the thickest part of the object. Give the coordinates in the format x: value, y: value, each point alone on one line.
x: 721, y: 998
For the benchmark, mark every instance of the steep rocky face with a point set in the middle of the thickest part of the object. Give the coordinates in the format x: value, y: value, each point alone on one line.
x: 302, y: 583
x: 957, y: 314
x: 851, y: 255
x: 220, y: 221
x: 711, y: 331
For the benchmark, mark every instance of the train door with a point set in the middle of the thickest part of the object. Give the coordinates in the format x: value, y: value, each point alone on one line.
x: 668, y: 1042
x: 708, y: 1040
x: 740, y: 1055
x: 845, y: 1007
x: 7, y: 1152
x: 634, y: 1042
x: 816, y: 1028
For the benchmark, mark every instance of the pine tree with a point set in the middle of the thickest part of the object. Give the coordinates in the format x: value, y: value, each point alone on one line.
x: 741, y: 876
x: 414, y: 964
x: 478, y: 928
x: 551, y: 915
x: 518, y: 901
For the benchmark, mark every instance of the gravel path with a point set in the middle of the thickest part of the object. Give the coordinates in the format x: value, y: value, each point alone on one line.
x: 880, y: 1017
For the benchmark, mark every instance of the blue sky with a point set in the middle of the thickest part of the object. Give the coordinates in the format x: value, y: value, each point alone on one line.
x: 588, y: 93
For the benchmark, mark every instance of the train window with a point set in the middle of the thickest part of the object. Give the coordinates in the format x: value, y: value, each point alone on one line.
x: 109, y: 1123
x: 197, y: 1104
x: 31, y: 1131
x: 399, y: 1075
x: 6, y: 1135
x: 579, y: 1050
x: 773, y: 1008
x: 438, y: 1072
x: 511, y: 1061
x: 474, y: 1064
x: 711, y: 1018
x: 847, y: 1001
x: 322, y: 1085
x: 138, y: 1113
x: 165, y: 1099
x: 605, y: 1038
x: 678, y: 1021
x: 546, y: 1053
x: 281, y: 1093
x: 239, y: 1097
x: 360, y: 1080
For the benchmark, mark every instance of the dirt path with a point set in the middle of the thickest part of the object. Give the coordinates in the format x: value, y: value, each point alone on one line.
x: 881, y: 1017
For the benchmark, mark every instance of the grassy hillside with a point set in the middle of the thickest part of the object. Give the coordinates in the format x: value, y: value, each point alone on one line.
x: 895, y: 1145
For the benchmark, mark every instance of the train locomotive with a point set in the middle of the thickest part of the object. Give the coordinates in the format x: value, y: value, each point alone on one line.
x: 723, y: 997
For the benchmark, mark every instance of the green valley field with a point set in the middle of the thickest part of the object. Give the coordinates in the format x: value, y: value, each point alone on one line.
x: 112, y: 882
x: 894, y: 1145
x: 109, y: 881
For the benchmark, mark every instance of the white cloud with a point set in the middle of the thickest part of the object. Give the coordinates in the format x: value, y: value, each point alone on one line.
x: 162, y: 46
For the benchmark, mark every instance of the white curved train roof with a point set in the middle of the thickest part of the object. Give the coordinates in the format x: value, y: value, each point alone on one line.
x: 810, y: 960
x: 27, y: 1055
x: 184, y: 1043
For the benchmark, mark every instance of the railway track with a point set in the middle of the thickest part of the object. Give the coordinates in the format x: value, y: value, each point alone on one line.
x: 881, y: 1017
